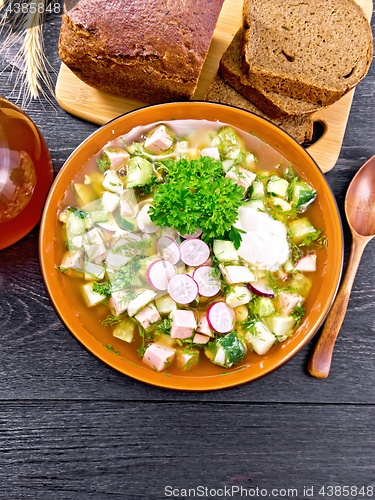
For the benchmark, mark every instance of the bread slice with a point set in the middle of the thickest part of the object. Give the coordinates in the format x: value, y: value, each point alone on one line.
x: 149, y: 51
x: 273, y: 104
x: 316, y: 50
x: 299, y: 127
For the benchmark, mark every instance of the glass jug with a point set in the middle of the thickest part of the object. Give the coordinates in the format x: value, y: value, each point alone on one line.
x: 26, y: 173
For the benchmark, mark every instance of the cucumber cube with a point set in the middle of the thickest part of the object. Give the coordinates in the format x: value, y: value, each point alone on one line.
x: 301, y: 283
x: 300, y: 228
x: 99, y: 215
x: 256, y: 204
x: 281, y: 326
x: 261, y: 338
x: 140, y: 172
x: 257, y: 190
x: 230, y: 350
x: 239, y: 296
x: 224, y: 251
x: 303, y: 194
x: 165, y: 304
x: 284, y: 205
x: 277, y: 186
x: 262, y: 307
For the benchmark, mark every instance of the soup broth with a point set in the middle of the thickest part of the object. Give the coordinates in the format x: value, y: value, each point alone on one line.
x: 190, y: 304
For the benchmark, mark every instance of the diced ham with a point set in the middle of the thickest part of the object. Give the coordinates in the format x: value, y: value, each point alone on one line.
x: 117, y: 156
x: 94, y: 237
x: 183, y: 324
x: 287, y: 301
x: 119, y: 302
x: 148, y: 316
x: 200, y: 339
x: 159, y: 140
x: 158, y: 356
x: 242, y: 177
x: 203, y: 326
x: 95, y: 251
x: 306, y: 263
x: 211, y: 152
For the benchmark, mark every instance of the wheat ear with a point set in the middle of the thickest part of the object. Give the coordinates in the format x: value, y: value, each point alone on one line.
x: 31, y: 57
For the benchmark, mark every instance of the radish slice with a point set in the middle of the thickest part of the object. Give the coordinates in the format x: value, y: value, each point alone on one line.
x: 168, y: 249
x: 307, y: 263
x: 159, y: 273
x: 182, y: 289
x: 196, y: 234
x: 261, y: 288
x: 194, y: 252
x: 208, y: 284
x: 221, y: 317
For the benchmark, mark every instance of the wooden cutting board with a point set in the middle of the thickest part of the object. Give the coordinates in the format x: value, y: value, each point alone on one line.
x: 100, y: 107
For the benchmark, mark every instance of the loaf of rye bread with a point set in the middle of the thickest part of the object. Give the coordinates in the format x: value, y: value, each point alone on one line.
x: 149, y: 51
x: 316, y: 50
x: 299, y: 127
x: 273, y: 104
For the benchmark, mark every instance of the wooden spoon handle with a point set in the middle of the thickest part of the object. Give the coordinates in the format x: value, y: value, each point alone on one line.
x: 320, y: 361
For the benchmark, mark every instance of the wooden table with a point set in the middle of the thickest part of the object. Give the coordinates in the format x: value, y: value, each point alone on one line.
x: 74, y: 429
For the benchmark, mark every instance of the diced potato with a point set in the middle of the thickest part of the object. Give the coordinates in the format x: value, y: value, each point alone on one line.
x: 84, y: 193
x: 187, y: 359
x: 125, y: 330
x: 241, y: 312
x: 92, y: 298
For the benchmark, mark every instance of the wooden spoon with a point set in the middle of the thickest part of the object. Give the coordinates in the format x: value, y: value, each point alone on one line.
x: 360, y: 213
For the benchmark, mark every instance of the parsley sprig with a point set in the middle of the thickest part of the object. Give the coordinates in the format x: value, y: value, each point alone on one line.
x: 197, y: 195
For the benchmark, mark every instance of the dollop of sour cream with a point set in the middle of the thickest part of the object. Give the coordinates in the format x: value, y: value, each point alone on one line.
x: 264, y: 244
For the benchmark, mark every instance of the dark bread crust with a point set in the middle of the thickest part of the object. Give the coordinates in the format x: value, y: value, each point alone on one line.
x: 149, y: 51
x: 316, y: 50
x: 273, y: 104
x: 299, y: 127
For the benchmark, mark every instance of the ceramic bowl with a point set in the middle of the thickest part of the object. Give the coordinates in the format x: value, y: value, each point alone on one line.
x: 113, y: 351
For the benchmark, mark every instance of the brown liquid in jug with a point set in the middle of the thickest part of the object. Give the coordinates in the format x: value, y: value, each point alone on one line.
x: 25, y: 173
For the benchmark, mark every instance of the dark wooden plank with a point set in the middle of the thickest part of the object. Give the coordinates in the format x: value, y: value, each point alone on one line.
x: 87, y: 450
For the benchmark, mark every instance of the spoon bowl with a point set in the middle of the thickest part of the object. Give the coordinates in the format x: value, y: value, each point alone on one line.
x: 360, y: 214
x: 360, y: 200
